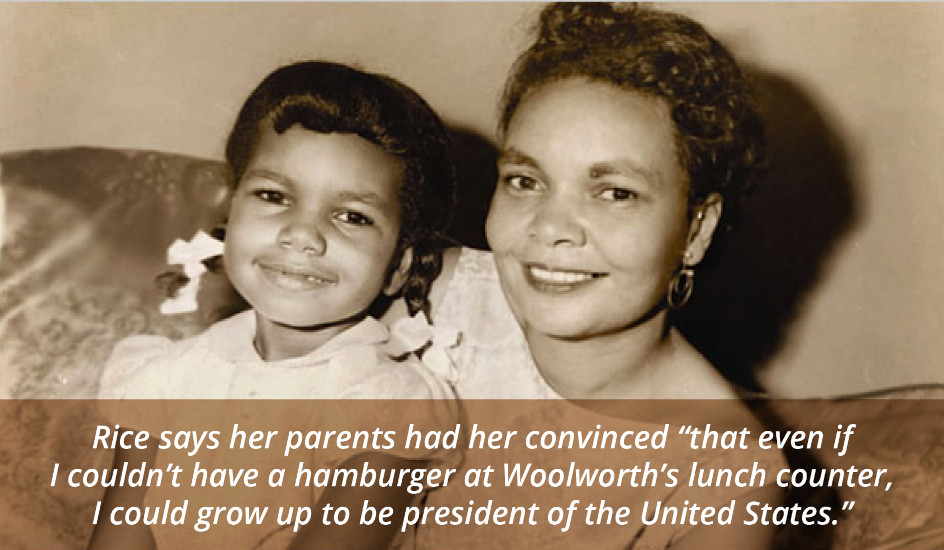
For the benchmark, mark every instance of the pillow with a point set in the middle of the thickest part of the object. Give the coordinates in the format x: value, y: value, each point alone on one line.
x: 901, y: 432
x: 85, y: 234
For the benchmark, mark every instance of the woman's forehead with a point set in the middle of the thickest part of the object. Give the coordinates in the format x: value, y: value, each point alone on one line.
x: 598, y: 125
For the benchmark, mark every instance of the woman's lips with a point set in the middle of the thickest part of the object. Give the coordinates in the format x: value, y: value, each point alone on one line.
x: 552, y: 279
x: 295, y: 278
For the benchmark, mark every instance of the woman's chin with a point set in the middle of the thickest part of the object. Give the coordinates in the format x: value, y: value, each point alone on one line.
x: 559, y: 327
x: 589, y: 322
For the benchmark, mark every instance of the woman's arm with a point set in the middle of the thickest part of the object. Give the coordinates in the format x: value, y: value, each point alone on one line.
x: 352, y: 535
x: 107, y: 536
x: 736, y: 536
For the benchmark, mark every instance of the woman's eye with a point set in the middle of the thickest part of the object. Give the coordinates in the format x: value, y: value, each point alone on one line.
x: 617, y: 194
x: 354, y: 218
x: 271, y: 196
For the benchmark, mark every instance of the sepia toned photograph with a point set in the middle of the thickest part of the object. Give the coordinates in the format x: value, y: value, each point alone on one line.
x: 474, y: 206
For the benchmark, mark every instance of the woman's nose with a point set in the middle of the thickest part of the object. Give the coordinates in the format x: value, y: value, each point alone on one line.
x: 556, y: 223
x: 302, y: 236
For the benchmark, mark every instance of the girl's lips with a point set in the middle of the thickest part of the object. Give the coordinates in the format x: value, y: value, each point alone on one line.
x: 551, y: 279
x: 294, y: 278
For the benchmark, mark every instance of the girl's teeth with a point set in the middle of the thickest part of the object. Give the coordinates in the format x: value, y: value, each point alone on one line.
x: 565, y: 277
x: 293, y: 278
x: 309, y: 278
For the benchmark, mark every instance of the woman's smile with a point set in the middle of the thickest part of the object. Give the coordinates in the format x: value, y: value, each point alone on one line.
x: 545, y: 278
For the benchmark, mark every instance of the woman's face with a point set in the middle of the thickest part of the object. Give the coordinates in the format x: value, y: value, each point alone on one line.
x: 589, y: 221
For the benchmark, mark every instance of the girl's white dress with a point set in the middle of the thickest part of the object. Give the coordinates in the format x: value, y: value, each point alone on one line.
x: 147, y: 379
x: 366, y: 361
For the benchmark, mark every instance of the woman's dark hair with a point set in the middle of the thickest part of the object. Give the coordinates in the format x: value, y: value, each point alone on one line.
x: 719, y: 136
x: 331, y: 98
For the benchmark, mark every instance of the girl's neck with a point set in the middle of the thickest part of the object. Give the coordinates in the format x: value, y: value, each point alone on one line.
x: 275, y: 342
x: 620, y: 365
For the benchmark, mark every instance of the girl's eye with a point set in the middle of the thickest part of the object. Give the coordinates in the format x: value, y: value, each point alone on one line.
x: 617, y: 194
x: 272, y: 196
x: 354, y: 218
x: 521, y: 183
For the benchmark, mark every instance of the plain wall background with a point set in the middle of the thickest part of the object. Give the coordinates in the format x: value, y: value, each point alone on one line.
x: 844, y: 250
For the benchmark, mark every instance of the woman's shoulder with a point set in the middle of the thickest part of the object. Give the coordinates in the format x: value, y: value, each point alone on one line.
x: 471, y: 298
x: 473, y: 264
x: 687, y: 374
x: 462, y: 268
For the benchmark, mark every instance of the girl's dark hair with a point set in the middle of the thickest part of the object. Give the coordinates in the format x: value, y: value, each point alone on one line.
x: 719, y: 136
x: 332, y: 98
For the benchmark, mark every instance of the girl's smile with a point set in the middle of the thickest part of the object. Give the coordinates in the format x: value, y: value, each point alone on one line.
x: 313, y: 228
x: 289, y: 277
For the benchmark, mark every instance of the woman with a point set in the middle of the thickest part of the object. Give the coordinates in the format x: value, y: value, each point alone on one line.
x: 627, y: 137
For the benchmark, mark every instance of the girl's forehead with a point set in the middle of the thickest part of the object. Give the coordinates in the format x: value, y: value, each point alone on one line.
x: 345, y: 164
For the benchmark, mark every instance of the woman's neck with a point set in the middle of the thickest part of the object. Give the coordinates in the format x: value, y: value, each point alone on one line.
x: 276, y: 342
x: 624, y: 364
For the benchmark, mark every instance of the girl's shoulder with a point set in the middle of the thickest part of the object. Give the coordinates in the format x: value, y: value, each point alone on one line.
x: 411, y: 361
x: 138, y: 369
x: 147, y: 366
x: 132, y: 367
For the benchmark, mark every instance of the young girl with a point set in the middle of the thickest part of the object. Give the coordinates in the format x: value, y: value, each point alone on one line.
x: 343, y: 184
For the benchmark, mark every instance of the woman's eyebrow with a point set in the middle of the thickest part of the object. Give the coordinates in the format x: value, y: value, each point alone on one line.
x: 366, y: 197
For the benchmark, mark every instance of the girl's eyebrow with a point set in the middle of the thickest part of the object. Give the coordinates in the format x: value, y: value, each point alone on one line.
x: 366, y: 197
x: 623, y: 167
x: 269, y: 175
x: 514, y: 156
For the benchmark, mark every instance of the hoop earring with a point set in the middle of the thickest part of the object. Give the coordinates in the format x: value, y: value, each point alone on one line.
x: 681, y: 287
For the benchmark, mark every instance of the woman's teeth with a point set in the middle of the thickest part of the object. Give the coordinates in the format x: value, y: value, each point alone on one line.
x: 560, y: 277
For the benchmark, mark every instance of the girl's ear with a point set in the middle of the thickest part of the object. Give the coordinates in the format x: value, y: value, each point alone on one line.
x: 397, y: 277
x: 226, y: 200
x: 702, y: 228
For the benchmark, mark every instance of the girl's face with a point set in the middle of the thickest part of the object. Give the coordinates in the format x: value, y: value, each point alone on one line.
x: 313, y: 227
x: 589, y: 221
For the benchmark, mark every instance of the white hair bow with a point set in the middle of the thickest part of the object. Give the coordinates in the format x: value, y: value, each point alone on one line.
x: 415, y: 334
x: 190, y: 254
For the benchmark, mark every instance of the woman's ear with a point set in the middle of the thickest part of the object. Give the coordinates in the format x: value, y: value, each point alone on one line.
x: 701, y: 228
x: 398, y: 275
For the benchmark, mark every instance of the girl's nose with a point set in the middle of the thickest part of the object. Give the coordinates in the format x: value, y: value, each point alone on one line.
x: 556, y: 223
x: 302, y: 236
